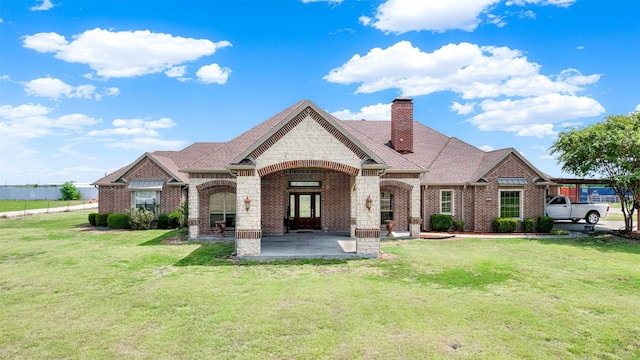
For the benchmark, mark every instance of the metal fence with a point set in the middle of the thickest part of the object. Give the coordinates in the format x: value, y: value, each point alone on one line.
x: 42, y: 193
x: 609, y: 199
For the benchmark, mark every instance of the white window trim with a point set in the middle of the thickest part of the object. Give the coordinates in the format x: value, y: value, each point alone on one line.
x: 158, y: 200
x: 453, y: 203
x: 500, y: 191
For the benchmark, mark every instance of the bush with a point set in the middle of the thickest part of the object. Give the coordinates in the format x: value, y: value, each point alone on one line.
x: 92, y: 219
x: 458, y: 225
x: 69, y: 192
x: 140, y: 219
x: 118, y: 221
x: 529, y: 225
x: 441, y: 222
x: 504, y: 225
x: 174, y: 219
x: 101, y: 220
x: 163, y: 221
x: 545, y: 224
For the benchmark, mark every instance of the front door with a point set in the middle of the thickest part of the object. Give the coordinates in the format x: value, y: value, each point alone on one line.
x: 304, y: 210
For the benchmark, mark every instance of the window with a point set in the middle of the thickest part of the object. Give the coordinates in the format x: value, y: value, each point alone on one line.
x: 386, y: 206
x: 150, y: 200
x: 304, y: 184
x: 511, y: 203
x: 446, y: 202
x: 222, y: 207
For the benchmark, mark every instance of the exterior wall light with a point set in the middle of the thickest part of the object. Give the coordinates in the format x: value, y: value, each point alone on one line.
x: 247, y: 203
x: 368, y: 202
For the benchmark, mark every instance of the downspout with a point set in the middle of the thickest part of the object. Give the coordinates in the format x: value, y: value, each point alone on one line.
x: 464, y: 188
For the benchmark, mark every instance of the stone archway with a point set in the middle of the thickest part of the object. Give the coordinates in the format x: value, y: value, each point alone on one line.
x: 402, y: 193
x: 205, y: 190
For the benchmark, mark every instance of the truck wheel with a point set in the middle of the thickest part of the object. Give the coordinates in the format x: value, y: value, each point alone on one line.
x: 592, y: 217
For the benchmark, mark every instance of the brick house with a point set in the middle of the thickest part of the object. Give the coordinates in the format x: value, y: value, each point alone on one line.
x: 304, y: 169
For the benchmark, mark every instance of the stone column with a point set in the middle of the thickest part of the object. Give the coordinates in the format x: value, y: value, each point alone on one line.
x: 353, y: 206
x: 248, y: 222
x: 414, y: 211
x: 367, y: 219
x: 194, y: 211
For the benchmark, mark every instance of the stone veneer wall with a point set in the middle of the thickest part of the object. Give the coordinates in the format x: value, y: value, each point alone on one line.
x: 367, y: 220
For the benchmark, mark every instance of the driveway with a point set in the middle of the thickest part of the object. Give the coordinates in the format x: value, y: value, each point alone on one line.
x: 603, y: 225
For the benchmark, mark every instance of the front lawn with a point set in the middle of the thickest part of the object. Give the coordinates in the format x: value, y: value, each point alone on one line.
x: 70, y: 291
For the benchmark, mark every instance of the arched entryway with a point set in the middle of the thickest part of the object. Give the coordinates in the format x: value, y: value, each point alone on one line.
x: 395, y: 203
x: 217, y: 202
x: 306, y: 195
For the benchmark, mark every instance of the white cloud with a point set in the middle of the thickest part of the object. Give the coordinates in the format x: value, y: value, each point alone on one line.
x: 486, y: 148
x: 468, y: 69
x: 125, y: 53
x: 176, y: 71
x: 400, y: 16
x: 46, y: 5
x: 637, y: 107
x: 33, y: 121
x: 45, y: 42
x: 560, y: 3
x: 55, y: 89
x: 534, y: 116
x: 134, y: 127
x: 371, y: 112
x: 209, y: 74
x: 147, y: 144
x: 463, y: 109
x: 527, y: 15
x: 516, y: 97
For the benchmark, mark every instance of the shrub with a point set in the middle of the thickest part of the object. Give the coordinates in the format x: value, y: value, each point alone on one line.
x: 504, y: 225
x: 69, y: 191
x: 458, y: 225
x: 92, y: 219
x: 118, y: 221
x: 441, y: 222
x: 175, y: 219
x: 140, y: 219
x: 529, y: 225
x: 101, y: 220
x: 163, y: 221
x: 545, y: 224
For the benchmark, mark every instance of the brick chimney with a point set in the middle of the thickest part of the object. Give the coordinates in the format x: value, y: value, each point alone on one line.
x: 402, y: 125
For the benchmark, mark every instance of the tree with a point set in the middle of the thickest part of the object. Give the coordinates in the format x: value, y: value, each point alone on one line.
x: 609, y: 149
x: 70, y: 192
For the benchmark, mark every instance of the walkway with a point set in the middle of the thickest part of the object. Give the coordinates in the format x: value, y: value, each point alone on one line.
x: 12, y: 214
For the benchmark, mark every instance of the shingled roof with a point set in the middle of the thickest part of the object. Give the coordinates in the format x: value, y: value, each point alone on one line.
x: 441, y: 159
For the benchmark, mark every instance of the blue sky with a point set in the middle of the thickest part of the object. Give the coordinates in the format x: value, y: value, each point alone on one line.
x: 88, y: 86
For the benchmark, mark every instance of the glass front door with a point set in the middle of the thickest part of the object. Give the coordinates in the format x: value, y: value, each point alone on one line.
x: 304, y: 210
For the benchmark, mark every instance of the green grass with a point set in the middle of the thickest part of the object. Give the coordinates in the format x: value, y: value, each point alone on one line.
x: 69, y: 291
x: 20, y: 205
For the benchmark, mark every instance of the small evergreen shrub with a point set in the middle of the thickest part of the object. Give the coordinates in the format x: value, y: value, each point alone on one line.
x: 458, y: 225
x: 140, y: 219
x: 175, y: 219
x: 118, y: 221
x: 101, y: 220
x: 545, y: 224
x: 441, y: 222
x: 529, y: 225
x: 163, y: 221
x: 69, y: 191
x: 92, y: 219
x: 504, y: 225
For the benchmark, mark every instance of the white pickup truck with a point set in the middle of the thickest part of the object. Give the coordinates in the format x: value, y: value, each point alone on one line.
x: 561, y: 208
